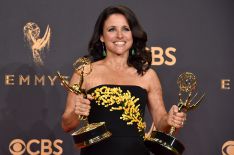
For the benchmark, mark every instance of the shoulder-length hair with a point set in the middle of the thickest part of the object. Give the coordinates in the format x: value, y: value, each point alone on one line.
x: 140, y: 58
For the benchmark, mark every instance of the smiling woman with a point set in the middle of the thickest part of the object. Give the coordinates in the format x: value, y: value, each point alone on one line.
x: 120, y: 86
x: 120, y: 22
x: 117, y: 35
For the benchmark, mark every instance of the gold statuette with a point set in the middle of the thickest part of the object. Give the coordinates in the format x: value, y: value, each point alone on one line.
x: 37, y: 44
x: 90, y: 133
x: 165, y: 144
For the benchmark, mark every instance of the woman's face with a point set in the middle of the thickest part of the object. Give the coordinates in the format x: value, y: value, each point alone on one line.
x: 117, y: 35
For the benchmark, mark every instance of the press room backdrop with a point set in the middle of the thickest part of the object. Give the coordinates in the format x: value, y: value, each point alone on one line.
x: 183, y: 35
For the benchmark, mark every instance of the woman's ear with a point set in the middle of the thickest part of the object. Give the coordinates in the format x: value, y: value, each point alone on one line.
x: 101, y: 38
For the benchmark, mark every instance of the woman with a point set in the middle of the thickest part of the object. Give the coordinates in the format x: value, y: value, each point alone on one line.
x: 121, y: 79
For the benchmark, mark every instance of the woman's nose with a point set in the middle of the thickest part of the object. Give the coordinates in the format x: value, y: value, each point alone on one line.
x: 119, y: 34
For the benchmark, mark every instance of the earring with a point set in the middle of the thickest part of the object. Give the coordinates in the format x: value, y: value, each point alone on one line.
x: 133, y: 52
x: 103, y: 50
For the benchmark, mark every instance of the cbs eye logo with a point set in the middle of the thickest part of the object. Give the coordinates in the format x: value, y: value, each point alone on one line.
x: 36, y: 147
x: 17, y: 147
x: 228, y: 148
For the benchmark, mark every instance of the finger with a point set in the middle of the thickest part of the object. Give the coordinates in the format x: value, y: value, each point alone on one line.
x: 83, y: 107
x: 82, y: 111
x: 180, y: 116
x: 184, y: 116
x: 180, y: 119
x: 179, y: 126
x: 175, y: 108
x: 78, y: 99
x: 172, y: 110
x: 86, y: 101
x: 170, y: 120
x: 82, y: 104
x: 79, y: 96
x: 90, y: 97
x: 177, y: 122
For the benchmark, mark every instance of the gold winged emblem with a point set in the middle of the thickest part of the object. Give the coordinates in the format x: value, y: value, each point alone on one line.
x: 37, y: 44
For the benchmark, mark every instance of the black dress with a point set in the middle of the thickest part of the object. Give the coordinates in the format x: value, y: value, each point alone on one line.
x: 125, y: 139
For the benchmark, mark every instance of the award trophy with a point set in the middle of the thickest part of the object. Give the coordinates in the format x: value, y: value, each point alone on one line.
x: 90, y: 133
x: 165, y: 144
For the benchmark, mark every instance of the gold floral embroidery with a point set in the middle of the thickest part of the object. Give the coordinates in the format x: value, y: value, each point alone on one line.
x: 116, y: 99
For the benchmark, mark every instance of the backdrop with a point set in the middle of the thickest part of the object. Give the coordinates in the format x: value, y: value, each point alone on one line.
x: 38, y: 38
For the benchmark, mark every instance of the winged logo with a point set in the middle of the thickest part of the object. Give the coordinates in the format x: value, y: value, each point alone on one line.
x: 32, y: 35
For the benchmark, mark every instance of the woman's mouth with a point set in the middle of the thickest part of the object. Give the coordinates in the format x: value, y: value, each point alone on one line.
x: 119, y: 43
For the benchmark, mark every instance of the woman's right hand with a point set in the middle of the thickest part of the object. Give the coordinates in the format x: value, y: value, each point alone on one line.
x: 82, y: 105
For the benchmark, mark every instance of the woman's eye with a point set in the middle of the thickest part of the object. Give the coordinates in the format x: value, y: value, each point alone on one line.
x: 126, y: 29
x: 111, y: 29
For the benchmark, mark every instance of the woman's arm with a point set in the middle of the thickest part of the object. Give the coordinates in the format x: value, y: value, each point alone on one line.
x: 162, y: 120
x: 75, y: 105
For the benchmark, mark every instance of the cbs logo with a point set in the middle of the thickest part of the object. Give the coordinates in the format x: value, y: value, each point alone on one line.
x: 228, y: 148
x: 160, y: 56
x: 36, y: 147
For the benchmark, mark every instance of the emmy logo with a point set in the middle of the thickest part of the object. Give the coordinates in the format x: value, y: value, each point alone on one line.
x: 37, y: 44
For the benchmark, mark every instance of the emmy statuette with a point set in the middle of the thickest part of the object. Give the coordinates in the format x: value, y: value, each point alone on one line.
x: 165, y: 144
x: 90, y: 133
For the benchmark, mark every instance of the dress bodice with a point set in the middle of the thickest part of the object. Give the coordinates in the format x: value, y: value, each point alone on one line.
x: 122, y: 108
x: 108, y: 96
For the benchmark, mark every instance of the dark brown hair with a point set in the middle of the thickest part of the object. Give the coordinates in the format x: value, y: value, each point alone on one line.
x: 141, y: 60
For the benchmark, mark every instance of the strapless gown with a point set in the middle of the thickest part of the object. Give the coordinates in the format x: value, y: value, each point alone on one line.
x: 127, y: 129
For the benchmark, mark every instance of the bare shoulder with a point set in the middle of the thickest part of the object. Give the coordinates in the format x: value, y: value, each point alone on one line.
x: 150, y: 75
x: 151, y: 79
x: 97, y: 67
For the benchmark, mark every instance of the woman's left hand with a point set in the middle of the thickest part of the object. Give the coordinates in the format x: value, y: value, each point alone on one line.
x: 176, y: 118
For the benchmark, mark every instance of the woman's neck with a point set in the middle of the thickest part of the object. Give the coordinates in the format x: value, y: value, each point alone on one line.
x: 116, y: 62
